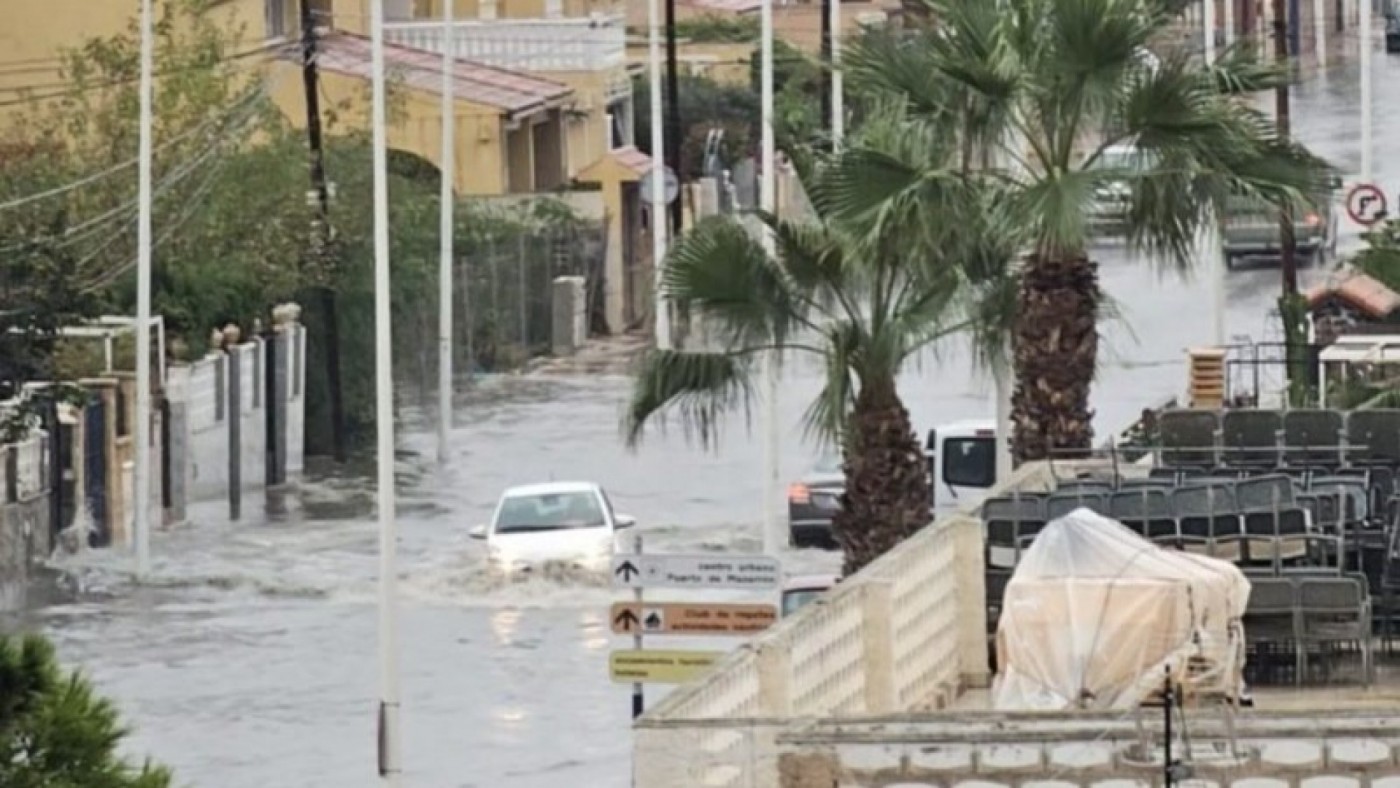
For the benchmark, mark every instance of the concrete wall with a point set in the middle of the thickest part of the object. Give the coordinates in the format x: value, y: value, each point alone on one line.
x: 222, y: 407
x: 1311, y: 749
x: 24, y: 516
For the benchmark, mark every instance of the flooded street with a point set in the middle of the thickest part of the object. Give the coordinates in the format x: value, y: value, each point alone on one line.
x: 249, y: 658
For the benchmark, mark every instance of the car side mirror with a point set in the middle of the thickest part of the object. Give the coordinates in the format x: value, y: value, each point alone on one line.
x: 478, y: 532
x: 622, y: 521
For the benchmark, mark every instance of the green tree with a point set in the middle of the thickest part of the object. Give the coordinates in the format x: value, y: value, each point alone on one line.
x: 55, y: 731
x: 1036, y: 91
x: 843, y: 290
x: 1380, y: 258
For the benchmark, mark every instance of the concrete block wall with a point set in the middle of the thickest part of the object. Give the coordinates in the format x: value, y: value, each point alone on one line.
x: 25, y: 536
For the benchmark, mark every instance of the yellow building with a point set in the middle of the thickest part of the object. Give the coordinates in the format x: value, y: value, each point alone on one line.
x: 542, y: 93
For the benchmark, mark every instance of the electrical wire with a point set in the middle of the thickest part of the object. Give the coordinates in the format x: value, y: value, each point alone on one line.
x: 261, y: 92
x: 62, y: 89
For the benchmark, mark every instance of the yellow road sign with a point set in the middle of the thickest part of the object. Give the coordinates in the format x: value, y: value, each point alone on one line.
x: 699, y: 618
x: 659, y: 667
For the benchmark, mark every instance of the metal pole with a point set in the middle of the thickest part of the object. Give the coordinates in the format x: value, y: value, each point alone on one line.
x: 638, y: 700
x: 142, y: 524
x: 1212, y: 234
x: 449, y: 170
x: 1168, y: 700
x: 389, y: 767
x: 838, y: 95
x: 768, y: 203
x: 673, y: 117
x: 1364, y: 34
x: 658, y: 181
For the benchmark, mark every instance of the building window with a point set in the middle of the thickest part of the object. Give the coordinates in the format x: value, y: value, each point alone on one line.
x: 275, y: 14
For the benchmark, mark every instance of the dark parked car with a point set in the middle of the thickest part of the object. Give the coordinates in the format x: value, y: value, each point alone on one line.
x: 812, y: 501
x: 1392, y: 34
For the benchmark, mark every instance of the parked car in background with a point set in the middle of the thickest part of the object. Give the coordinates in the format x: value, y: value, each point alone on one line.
x: 962, y: 468
x: 1392, y: 33
x: 799, y: 591
x: 572, y: 523
x: 1251, y: 229
x: 1108, y: 213
x: 812, y: 501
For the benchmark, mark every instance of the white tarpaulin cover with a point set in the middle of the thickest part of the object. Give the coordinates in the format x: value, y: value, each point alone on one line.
x: 1094, y: 613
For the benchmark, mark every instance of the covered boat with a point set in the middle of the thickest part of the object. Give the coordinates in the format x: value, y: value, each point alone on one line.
x: 1095, y: 616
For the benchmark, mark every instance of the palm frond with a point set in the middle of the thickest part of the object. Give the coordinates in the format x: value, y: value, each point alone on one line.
x: 720, y: 271
x: 701, y: 387
x: 825, y: 420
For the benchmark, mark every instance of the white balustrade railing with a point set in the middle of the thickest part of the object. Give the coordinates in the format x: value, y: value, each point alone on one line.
x: 906, y: 633
x: 585, y: 44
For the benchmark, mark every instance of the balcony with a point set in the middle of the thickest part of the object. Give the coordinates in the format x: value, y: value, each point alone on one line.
x: 592, y: 44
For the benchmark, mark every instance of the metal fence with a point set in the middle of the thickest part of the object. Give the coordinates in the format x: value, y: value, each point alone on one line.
x: 502, y: 306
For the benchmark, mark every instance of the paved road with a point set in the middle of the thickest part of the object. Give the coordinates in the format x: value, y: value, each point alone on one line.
x: 250, y: 659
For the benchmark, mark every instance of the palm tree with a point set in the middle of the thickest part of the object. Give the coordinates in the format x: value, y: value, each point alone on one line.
x: 1037, y: 91
x: 845, y: 290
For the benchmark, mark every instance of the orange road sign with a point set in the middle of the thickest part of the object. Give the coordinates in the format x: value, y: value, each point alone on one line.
x: 690, y: 618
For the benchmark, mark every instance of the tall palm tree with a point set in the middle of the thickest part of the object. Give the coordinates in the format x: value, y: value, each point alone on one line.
x: 845, y: 290
x: 1040, y: 90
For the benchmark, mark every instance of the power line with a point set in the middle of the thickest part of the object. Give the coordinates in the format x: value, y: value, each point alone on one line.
x: 261, y: 92
x: 61, y: 89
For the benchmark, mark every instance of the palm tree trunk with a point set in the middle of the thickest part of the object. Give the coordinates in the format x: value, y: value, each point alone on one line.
x: 1055, y: 345
x: 887, y: 494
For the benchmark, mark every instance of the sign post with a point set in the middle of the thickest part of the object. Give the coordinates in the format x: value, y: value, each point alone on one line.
x: 637, y: 700
x: 1366, y: 204
x: 750, y: 572
x: 637, y: 571
x: 700, y: 618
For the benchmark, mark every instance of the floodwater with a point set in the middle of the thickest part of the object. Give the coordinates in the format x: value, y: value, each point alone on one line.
x: 249, y: 658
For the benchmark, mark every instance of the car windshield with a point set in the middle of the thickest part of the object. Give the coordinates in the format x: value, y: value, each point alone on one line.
x: 1122, y: 159
x: 549, y: 512
x: 793, y: 600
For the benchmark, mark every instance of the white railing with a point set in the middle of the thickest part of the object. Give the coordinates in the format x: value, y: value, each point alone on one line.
x: 589, y: 44
x: 907, y: 633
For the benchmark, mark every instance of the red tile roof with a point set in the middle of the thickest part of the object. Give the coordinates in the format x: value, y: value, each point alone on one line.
x: 513, y: 92
x: 632, y: 159
x: 1368, y: 295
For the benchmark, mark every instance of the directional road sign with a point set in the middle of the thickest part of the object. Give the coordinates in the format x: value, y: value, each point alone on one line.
x: 716, y: 570
x: 698, y: 618
x: 659, y: 667
x: 1366, y: 204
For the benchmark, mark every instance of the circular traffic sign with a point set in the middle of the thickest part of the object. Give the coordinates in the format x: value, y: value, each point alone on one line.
x: 672, y: 186
x: 1366, y: 204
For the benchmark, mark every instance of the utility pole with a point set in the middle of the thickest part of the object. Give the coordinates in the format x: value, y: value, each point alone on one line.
x: 658, y: 179
x: 1281, y: 109
x: 448, y: 171
x: 323, y: 237
x: 768, y: 202
x: 838, y: 95
x: 828, y: 110
x: 390, y: 767
x: 673, y: 117
x: 1288, y: 302
x: 142, y: 526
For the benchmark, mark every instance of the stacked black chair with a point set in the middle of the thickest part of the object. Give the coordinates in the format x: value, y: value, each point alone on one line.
x: 1147, y: 511
x: 1250, y: 438
x: 1011, y: 523
x: 1189, y: 438
x: 1313, y: 438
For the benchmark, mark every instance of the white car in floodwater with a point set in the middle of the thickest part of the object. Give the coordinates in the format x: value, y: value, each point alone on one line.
x: 569, y: 523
